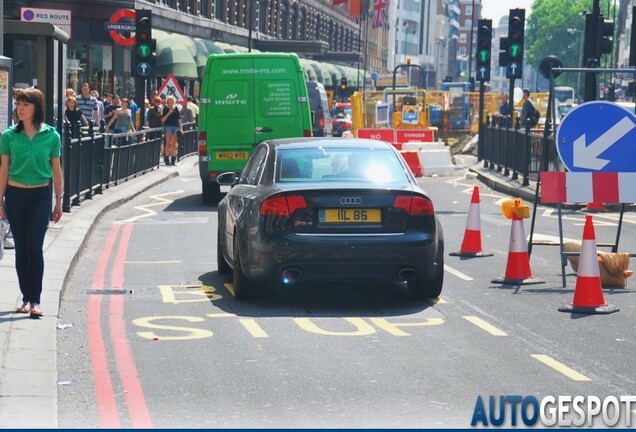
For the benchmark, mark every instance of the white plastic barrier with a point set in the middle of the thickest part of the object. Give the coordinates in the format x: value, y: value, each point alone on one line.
x: 436, y: 161
x: 421, y: 146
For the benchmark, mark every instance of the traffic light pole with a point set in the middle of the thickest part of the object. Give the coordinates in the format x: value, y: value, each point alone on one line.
x: 140, y: 95
x: 591, y: 56
x: 480, y: 130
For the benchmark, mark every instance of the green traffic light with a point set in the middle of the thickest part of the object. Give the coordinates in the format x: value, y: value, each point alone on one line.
x: 143, y: 50
x: 514, y: 50
x: 483, y: 56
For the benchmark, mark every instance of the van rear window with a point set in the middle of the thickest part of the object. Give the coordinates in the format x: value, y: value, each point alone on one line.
x: 279, y: 97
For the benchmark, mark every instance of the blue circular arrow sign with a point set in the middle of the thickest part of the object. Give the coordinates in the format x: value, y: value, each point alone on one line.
x: 143, y: 69
x: 598, y: 136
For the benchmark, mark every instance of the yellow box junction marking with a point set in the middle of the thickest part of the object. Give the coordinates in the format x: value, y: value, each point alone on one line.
x: 485, y: 326
x: 197, y: 293
x: 560, y: 367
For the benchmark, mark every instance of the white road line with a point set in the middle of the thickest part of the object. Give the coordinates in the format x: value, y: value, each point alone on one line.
x: 457, y: 273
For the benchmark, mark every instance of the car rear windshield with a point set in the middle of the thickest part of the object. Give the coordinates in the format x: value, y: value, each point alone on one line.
x: 339, y: 164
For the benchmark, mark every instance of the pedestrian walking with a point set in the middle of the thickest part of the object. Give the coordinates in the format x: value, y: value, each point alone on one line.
x: 122, y: 118
x: 87, y: 103
x: 29, y: 160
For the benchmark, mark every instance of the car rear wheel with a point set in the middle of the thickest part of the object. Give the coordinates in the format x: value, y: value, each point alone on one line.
x: 429, y: 288
x: 243, y: 288
x: 222, y: 266
x: 210, y: 192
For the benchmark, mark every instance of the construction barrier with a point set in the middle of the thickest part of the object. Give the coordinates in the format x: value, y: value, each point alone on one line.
x: 413, y: 161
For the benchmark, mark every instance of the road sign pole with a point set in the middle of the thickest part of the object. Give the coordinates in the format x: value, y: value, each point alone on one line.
x: 140, y: 94
x: 481, y: 130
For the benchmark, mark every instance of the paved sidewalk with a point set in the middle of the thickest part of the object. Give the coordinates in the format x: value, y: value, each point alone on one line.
x: 28, y: 347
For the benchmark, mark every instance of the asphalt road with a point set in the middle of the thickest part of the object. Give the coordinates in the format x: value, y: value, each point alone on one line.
x: 152, y: 336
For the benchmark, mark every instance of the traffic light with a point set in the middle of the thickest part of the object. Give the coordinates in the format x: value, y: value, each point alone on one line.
x: 504, y: 59
x: 484, y: 44
x: 343, y: 83
x: 516, y: 25
x: 604, y: 37
x: 145, y: 45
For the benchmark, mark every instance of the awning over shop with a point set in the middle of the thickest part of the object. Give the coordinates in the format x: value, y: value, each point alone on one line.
x: 323, y: 73
x: 334, y: 72
x: 211, y: 46
x: 175, y: 55
x: 203, y: 51
x: 226, y: 47
x: 310, y: 72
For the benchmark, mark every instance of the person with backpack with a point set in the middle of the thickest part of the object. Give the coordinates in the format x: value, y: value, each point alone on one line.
x: 529, y: 114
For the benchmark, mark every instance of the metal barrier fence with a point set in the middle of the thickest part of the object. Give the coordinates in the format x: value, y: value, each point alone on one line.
x: 518, y: 151
x: 93, y: 160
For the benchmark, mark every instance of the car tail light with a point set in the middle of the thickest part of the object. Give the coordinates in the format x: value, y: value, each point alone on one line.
x: 414, y: 205
x: 282, y: 205
x: 321, y: 122
x: 203, y: 146
x: 307, y: 133
x: 346, y: 125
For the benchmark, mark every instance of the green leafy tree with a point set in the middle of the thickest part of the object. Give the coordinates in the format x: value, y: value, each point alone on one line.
x: 557, y: 27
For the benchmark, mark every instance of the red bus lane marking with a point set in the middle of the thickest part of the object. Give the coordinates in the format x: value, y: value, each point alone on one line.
x: 104, y: 393
x: 135, y: 399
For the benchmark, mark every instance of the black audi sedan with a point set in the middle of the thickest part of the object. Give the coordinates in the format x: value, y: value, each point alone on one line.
x: 325, y: 209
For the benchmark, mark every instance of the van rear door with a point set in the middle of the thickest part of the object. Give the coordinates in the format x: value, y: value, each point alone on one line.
x: 281, y: 94
x: 230, y: 120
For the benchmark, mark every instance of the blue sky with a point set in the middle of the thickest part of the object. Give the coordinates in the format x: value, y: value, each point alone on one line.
x: 495, y: 9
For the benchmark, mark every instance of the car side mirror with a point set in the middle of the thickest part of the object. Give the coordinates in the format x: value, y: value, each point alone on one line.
x: 227, y: 179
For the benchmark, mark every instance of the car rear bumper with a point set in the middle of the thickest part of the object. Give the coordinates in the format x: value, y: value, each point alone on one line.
x: 327, y: 258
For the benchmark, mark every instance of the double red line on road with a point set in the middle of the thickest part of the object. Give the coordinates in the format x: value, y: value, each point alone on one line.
x: 104, y: 391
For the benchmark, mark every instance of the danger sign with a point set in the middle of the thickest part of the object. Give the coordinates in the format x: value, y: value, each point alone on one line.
x: 170, y: 87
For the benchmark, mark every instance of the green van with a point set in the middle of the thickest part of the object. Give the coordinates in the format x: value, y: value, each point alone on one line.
x: 247, y: 98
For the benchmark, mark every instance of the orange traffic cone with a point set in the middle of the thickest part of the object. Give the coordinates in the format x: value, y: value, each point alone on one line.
x: 518, y: 270
x: 588, y: 293
x: 595, y: 207
x: 471, y: 245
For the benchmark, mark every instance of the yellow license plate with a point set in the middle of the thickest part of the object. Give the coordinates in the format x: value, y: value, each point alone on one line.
x: 350, y: 215
x: 231, y: 155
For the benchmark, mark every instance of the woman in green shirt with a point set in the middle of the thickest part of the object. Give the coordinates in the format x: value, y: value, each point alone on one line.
x: 29, y: 159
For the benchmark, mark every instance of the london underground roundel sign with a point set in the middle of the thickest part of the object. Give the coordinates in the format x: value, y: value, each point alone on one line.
x: 115, y: 27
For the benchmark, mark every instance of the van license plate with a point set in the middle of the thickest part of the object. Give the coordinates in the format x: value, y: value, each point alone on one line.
x: 350, y: 215
x: 231, y: 155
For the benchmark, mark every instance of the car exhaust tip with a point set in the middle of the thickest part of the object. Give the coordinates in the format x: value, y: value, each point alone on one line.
x: 290, y: 276
x: 407, y: 274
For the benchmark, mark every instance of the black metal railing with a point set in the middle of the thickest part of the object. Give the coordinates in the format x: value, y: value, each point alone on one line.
x: 93, y: 160
x: 516, y: 151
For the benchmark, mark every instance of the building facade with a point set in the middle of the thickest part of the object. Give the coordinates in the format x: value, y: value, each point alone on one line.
x: 314, y: 29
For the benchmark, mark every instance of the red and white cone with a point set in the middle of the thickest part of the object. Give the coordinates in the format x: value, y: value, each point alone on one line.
x: 588, y: 292
x: 518, y: 270
x: 471, y: 245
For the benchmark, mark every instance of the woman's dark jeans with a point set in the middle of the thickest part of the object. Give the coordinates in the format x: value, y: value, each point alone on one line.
x: 29, y: 212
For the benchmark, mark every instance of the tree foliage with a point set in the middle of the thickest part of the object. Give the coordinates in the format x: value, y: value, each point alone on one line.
x: 557, y: 27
